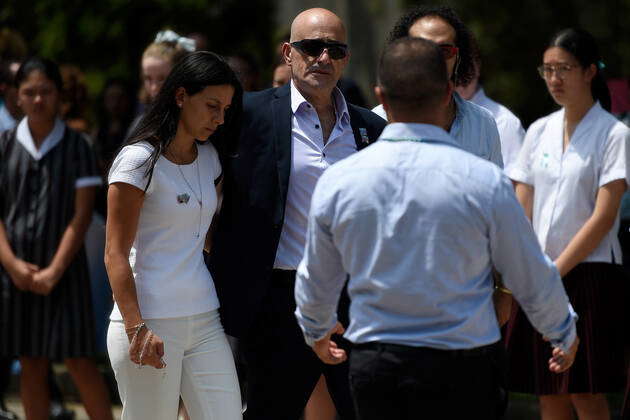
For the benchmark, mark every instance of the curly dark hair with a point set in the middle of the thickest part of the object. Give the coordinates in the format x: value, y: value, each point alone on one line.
x: 465, y: 69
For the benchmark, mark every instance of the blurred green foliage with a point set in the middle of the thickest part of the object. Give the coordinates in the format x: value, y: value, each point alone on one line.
x: 106, y: 38
x: 513, y: 35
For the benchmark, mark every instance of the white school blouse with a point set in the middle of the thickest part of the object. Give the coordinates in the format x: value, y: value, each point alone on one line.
x: 166, y: 258
x: 566, y: 184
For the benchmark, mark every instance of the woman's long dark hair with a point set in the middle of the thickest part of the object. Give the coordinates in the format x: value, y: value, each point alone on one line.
x: 582, y: 45
x: 194, y: 72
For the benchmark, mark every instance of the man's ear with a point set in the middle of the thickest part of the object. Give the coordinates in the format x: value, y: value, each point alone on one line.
x: 286, y: 53
x: 346, y: 59
x: 380, y: 95
x: 382, y: 98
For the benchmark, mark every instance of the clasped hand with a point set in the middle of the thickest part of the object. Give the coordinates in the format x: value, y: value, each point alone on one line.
x: 29, y: 277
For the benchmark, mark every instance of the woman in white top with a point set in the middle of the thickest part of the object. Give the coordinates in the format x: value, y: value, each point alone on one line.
x: 164, y: 188
x: 570, y: 176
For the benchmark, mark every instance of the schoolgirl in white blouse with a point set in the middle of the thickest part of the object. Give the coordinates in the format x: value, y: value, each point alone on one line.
x: 570, y: 176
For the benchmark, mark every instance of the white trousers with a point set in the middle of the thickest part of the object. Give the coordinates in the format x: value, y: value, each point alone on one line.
x: 200, y: 368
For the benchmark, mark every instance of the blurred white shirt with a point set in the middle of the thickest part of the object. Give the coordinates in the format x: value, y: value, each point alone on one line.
x: 511, y: 132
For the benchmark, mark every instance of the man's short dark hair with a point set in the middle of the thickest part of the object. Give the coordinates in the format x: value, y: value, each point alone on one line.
x: 412, y: 74
x: 465, y: 70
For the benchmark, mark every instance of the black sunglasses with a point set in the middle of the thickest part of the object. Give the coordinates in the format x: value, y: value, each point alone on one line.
x: 315, y: 47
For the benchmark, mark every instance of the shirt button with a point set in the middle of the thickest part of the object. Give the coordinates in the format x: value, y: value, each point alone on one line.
x: 317, y: 126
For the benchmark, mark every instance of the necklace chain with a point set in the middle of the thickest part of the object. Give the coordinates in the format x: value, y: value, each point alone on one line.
x: 198, y: 198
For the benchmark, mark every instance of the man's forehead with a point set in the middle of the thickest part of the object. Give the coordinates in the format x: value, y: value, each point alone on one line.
x: 433, y: 28
x: 318, y: 26
x: 324, y: 36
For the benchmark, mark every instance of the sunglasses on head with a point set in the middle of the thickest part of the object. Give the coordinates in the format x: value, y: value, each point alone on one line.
x: 449, y: 50
x: 315, y: 47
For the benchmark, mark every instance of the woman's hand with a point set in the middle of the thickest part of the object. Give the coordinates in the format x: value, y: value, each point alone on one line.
x: 21, y: 273
x: 44, y: 281
x: 146, y: 348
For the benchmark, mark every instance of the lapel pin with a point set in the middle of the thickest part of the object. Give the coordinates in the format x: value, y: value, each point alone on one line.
x: 364, y: 135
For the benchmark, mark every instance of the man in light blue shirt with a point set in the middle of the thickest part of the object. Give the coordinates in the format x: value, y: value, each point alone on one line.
x: 418, y: 224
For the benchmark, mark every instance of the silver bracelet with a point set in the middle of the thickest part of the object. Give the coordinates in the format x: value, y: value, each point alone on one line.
x: 136, y: 331
x: 144, y: 347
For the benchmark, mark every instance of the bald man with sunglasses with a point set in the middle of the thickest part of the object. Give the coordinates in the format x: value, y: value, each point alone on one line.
x: 290, y: 135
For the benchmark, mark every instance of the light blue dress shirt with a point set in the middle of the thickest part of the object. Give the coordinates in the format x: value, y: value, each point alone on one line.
x: 7, y: 121
x: 418, y: 223
x: 310, y: 157
x: 474, y: 130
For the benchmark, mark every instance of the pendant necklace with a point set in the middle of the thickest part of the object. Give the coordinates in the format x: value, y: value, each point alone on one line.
x: 198, y: 198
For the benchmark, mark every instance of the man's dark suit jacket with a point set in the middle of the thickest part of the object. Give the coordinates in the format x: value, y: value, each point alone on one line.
x: 256, y: 180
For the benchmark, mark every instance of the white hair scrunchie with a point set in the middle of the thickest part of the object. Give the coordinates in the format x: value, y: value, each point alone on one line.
x: 187, y: 44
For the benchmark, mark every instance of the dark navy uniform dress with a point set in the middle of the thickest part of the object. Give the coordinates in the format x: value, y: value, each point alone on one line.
x: 37, y: 203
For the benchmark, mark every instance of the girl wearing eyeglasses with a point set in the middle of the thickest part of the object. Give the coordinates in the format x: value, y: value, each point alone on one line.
x: 570, y: 176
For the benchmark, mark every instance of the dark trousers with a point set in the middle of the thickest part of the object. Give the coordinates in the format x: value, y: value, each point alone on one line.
x: 282, y: 370
x: 624, y: 240
x: 5, y: 377
x: 391, y: 381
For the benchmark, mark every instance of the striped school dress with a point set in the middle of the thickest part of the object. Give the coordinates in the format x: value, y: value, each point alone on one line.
x: 37, y: 203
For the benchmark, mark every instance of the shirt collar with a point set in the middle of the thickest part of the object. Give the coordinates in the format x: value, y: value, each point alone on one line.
x: 460, y: 110
x: 590, y: 114
x: 479, y: 96
x: 417, y: 132
x: 52, y: 139
x: 298, y: 100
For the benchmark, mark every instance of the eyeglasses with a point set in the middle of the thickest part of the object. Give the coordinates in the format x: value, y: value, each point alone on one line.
x: 315, y: 48
x: 449, y: 50
x: 546, y: 71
